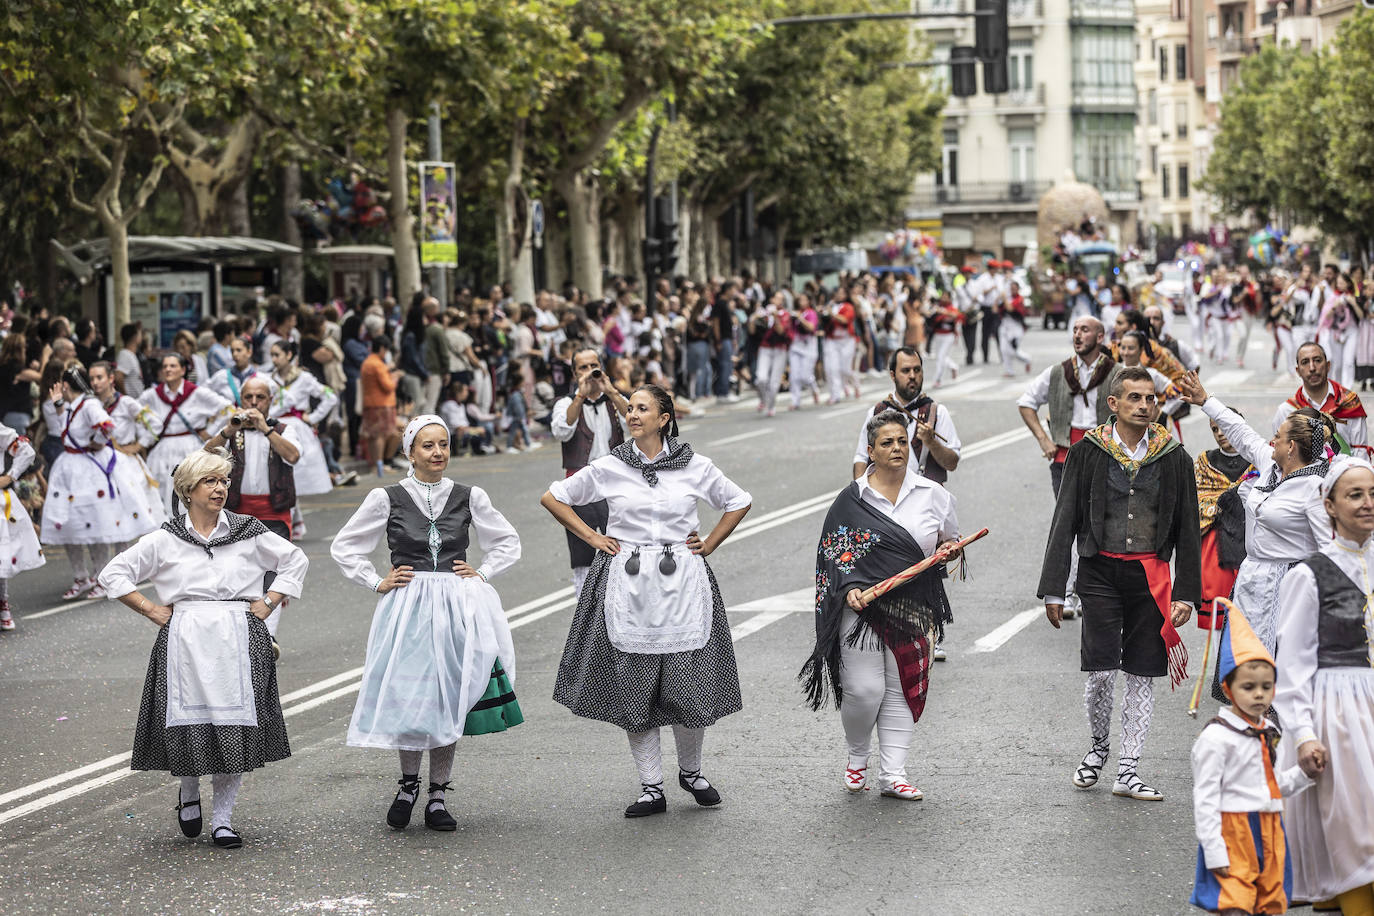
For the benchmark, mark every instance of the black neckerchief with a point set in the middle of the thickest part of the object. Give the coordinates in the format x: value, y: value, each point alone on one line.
x: 241, y: 528
x: 1315, y: 469
x: 675, y: 458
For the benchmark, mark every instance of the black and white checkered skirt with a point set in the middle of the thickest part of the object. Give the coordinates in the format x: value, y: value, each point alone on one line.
x: 638, y: 692
x: 199, y: 750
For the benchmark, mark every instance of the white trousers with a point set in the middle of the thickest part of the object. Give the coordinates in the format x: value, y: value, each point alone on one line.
x: 838, y: 353
x: 873, y: 697
x: 1302, y: 334
x: 1242, y: 335
x: 944, y: 341
x: 1341, y: 355
x: 768, y: 374
x: 429, y: 397
x: 1197, y: 321
x: 1009, y: 334
x: 801, y: 372
x: 1286, y: 358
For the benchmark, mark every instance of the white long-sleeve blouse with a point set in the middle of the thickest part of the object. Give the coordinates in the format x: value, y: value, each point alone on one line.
x: 296, y: 397
x: 353, y: 545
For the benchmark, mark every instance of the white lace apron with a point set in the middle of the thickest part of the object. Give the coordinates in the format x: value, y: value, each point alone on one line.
x: 209, y: 674
x: 654, y: 613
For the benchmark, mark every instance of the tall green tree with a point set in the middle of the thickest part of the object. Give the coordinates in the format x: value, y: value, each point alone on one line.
x: 1348, y: 102
x: 1238, y: 174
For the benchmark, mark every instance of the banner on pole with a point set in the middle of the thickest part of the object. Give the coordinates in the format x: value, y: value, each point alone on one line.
x: 438, y: 245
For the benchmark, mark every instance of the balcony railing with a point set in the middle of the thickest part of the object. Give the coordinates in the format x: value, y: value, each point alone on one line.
x: 988, y: 193
x: 1089, y: 95
x: 1236, y: 47
x: 1022, y: 10
x: 945, y: 6
x: 1102, y: 11
x: 1022, y: 97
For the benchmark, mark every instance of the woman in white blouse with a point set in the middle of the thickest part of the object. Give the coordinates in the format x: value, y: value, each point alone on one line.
x: 182, y: 414
x: 19, y: 550
x: 1325, y: 698
x: 296, y: 390
x: 440, y: 659
x: 1284, y: 518
x: 649, y: 644
x: 210, y: 702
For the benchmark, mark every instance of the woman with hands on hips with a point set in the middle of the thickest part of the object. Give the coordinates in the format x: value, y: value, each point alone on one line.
x: 440, y: 660
x: 649, y: 644
x: 210, y: 703
x: 1325, y: 698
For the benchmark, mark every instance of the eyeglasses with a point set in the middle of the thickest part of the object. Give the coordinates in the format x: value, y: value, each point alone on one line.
x: 213, y: 482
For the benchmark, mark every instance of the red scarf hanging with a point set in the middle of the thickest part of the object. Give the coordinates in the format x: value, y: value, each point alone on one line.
x: 1342, y: 403
x: 1161, y: 589
x: 175, y: 404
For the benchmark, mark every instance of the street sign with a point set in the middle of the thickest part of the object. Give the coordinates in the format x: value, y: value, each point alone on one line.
x: 537, y: 222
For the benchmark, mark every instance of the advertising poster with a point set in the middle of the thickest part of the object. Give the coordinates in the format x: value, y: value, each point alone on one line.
x: 164, y: 303
x: 438, y: 245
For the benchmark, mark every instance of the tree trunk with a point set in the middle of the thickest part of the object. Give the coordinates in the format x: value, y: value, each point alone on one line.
x: 292, y: 265
x: 615, y: 249
x: 403, y: 242
x: 581, y: 194
x: 780, y: 271
x: 630, y: 223
x: 684, y: 238
x: 211, y: 185
x: 118, y: 235
x: 555, y: 254
x: 238, y: 218
x: 517, y: 264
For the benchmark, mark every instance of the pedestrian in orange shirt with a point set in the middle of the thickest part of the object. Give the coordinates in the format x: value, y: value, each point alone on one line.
x: 379, y: 405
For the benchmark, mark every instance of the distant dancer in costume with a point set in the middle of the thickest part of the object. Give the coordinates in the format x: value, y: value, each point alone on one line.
x: 19, y: 548
x: 228, y: 382
x: 440, y: 661
x: 649, y: 644
x: 1317, y: 391
x: 302, y: 402
x: 875, y: 660
x: 1219, y: 475
x: 181, y: 412
x: 1325, y: 698
x: 1127, y: 506
x: 210, y: 702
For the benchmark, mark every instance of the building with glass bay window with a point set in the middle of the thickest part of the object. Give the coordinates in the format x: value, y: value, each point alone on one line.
x: 1071, y: 108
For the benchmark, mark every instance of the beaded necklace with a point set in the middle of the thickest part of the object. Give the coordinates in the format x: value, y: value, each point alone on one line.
x: 435, y: 542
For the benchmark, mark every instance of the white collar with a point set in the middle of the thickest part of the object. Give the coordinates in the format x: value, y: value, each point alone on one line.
x: 1138, y: 453
x: 645, y: 458
x: 911, y: 482
x: 221, y: 527
x: 1230, y: 715
x: 1351, y: 545
x: 1330, y: 393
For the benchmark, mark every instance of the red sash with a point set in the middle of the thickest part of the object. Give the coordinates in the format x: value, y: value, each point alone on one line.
x: 1161, y: 589
x: 1062, y: 454
x: 260, y: 507
x: 186, y: 389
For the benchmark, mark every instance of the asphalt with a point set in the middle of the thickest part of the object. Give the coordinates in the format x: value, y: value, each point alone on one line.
x: 1000, y: 830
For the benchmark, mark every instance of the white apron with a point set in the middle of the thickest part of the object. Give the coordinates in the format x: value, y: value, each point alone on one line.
x: 652, y: 613
x: 209, y: 674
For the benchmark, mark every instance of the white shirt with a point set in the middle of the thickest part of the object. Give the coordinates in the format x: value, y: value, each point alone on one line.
x: 1354, y: 430
x: 297, y: 396
x: 598, y: 416
x: 184, y: 572
x: 198, y: 410
x: 1038, y: 394
x: 256, y: 450
x: 944, y: 426
x: 19, y: 449
x: 454, y: 414
x: 1297, y: 634
x: 641, y: 514
x: 353, y: 545
x: 219, y: 382
x: 1228, y: 775
x: 129, y: 416
x: 126, y: 361
x: 924, y: 508
x: 1287, y: 523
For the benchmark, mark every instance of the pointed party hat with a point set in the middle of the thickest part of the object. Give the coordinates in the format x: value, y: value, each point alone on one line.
x: 1239, y: 644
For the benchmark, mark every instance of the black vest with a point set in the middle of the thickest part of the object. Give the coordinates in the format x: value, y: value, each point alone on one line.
x: 1132, y: 509
x: 577, y: 450
x: 1341, y: 638
x: 407, y: 530
x: 281, y: 477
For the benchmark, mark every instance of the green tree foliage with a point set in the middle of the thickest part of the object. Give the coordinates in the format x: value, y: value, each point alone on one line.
x: 1350, y: 109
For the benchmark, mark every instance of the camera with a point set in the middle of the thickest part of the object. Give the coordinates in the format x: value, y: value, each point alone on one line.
x: 596, y: 373
x: 237, y: 420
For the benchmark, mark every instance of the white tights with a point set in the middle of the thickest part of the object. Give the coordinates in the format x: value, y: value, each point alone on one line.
x: 648, y: 753
x: 87, y: 560
x: 1137, y: 707
x: 440, y: 767
x: 873, y: 696
x: 226, y: 786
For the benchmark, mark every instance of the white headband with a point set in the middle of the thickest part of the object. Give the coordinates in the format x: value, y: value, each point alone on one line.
x: 1339, y: 465
x: 413, y: 429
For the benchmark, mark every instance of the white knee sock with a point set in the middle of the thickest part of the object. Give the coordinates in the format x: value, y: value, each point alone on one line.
x: 226, y: 787
x: 190, y: 791
x: 79, y: 557
x: 1137, y: 707
x: 440, y: 767
x: 1098, y: 698
x: 689, y: 741
x: 648, y: 756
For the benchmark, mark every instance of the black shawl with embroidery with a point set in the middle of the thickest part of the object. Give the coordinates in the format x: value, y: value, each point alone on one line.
x: 859, y: 548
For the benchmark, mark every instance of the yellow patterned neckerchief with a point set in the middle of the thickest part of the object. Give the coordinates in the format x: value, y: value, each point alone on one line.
x: 1158, y: 441
x: 1211, y: 484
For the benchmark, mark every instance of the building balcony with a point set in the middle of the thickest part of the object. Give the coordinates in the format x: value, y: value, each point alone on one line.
x: 1024, y: 12
x: 1028, y: 100
x: 1232, y: 49
x: 1107, y: 99
x: 1102, y: 12
x: 935, y: 7
x: 986, y: 195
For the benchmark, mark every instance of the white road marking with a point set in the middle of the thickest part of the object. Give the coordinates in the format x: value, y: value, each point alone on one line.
x: 847, y: 408
x: 740, y: 437
x: 954, y: 392
x: 999, y: 637
x: 768, y: 611
x: 67, y: 606
x: 1227, y: 379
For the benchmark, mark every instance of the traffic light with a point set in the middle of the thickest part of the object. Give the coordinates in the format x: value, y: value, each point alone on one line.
x: 653, y: 256
x: 963, y: 79
x: 668, y: 239
x: 995, y: 78
x: 990, y: 32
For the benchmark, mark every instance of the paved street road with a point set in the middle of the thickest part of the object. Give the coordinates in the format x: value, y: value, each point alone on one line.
x: 1001, y: 830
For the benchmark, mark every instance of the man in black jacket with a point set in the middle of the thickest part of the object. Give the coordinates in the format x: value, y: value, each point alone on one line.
x: 1129, y: 503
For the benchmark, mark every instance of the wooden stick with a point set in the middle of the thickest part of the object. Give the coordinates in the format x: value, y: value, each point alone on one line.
x: 1206, y: 655
x: 870, y: 595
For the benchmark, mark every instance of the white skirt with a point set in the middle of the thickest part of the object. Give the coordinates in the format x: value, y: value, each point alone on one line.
x: 1257, y: 593
x: 84, y: 505
x: 19, y: 548
x: 163, y: 460
x: 310, y: 472
x: 429, y: 657
x: 1331, y: 825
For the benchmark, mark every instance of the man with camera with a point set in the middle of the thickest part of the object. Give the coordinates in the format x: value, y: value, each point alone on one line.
x: 589, y: 424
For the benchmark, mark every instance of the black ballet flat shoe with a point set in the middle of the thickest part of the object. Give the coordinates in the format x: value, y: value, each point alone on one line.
x: 226, y: 838
x: 655, y: 803
x: 189, y: 828
x: 707, y: 797
x: 398, y: 815
x: 436, y: 813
